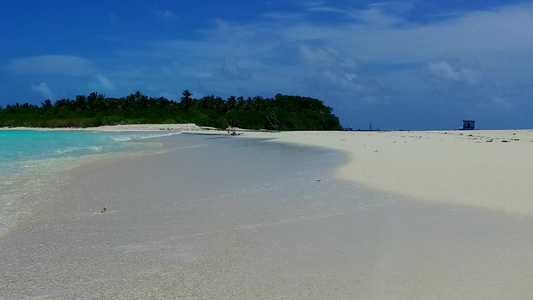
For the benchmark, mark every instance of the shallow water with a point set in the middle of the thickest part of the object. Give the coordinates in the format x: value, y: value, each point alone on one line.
x: 30, y: 160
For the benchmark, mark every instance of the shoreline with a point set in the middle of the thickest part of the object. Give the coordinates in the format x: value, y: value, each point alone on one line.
x: 487, y: 169
x: 188, y: 127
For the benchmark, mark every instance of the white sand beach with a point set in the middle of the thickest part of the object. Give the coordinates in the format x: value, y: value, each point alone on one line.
x: 415, y: 215
x: 479, y: 168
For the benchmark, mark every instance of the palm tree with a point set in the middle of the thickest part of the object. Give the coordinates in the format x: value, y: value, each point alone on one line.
x: 186, y: 100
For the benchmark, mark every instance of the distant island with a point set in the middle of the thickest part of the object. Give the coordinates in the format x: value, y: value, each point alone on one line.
x: 283, y: 112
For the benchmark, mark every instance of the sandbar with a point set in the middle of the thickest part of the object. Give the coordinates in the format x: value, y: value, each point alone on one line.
x: 488, y: 169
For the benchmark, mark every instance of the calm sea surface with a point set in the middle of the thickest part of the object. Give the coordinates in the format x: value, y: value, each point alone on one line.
x: 29, y: 160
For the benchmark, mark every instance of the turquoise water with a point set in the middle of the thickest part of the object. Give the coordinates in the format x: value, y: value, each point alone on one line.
x: 29, y: 160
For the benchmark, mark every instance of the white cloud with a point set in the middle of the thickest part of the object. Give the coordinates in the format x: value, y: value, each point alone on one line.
x: 319, y: 55
x: 283, y: 16
x: 375, y: 16
x: 497, y: 32
x: 52, y: 65
x: 321, y: 7
x: 102, y: 84
x: 166, y: 15
x: 233, y: 68
x: 454, y: 72
x: 380, y: 14
x: 500, y: 102
x: 369, y: 56
x: 43, y: 90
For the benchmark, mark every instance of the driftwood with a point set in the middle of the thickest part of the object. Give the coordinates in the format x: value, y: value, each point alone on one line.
x: 233, y: 131
x: 274, y: 122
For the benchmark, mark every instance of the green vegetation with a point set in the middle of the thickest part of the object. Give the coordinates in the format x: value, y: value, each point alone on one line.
x: 279, y: 113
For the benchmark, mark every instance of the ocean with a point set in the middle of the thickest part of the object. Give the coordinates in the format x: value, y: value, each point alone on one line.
x: 30, y: 160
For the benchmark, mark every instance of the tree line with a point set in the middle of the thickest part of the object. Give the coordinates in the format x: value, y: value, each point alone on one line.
x: 282, y: 112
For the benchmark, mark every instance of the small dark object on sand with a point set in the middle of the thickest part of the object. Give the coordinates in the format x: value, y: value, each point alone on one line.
x: 104, y: 210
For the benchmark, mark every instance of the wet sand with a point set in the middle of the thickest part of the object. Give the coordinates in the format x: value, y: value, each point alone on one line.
x: 226, y: 218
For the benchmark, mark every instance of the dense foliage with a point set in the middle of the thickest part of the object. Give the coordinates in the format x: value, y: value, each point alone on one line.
x: 279, y: 113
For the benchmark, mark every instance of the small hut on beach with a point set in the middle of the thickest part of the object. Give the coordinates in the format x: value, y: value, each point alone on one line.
x: 468, y: 125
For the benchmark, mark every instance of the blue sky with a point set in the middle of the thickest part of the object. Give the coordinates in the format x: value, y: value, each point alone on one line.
x: 396, y: 64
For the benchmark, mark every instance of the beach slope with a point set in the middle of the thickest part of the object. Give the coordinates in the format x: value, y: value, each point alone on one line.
x: 480, y: 168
